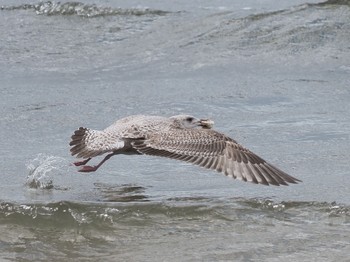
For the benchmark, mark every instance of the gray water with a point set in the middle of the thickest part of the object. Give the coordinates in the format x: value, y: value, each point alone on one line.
x: 274, y: 75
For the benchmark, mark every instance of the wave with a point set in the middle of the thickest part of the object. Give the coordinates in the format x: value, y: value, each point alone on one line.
x: 333, y: 2
x: 81, y: 9
x: 296, y: 30
x: 66, y: 214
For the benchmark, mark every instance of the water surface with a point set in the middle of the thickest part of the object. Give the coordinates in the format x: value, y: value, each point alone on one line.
x: 273, y: 76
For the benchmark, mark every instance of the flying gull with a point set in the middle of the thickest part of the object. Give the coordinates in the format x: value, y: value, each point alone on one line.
x: 180, y: 137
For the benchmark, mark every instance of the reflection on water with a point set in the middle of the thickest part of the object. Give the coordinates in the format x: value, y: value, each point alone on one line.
x: 120, y: 193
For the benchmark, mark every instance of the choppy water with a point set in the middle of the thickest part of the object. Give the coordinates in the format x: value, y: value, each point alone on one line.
x: 274, y: 76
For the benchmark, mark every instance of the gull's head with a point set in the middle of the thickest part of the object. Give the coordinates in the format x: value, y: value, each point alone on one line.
x: 187, y: 121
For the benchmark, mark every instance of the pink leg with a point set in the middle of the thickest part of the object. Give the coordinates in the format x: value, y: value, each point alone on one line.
x: 94, y: 168
x: 80, y: 163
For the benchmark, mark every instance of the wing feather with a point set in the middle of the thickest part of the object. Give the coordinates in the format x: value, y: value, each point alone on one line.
x: 213, y: 150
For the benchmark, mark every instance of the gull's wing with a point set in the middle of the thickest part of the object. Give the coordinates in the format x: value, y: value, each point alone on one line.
x: 213, y: 150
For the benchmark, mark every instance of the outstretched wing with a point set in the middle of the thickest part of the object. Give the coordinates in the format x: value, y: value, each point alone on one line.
x: 213, y: 150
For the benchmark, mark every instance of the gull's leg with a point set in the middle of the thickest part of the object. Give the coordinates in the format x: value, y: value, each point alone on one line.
x: 80, y: 163
x: 94, y: 168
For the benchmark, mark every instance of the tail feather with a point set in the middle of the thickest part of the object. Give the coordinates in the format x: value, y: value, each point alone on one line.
x: 90, y: 143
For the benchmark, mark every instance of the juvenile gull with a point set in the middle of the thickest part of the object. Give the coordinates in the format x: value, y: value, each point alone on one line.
x: 181, y: 137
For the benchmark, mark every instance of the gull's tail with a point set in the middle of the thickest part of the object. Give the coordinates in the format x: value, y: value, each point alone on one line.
x: 88, y: 143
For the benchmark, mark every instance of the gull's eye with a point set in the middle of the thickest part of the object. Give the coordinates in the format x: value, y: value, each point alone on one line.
x: 189, y: 119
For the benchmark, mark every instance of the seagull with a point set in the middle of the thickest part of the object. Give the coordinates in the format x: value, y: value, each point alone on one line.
x: 181, y: 137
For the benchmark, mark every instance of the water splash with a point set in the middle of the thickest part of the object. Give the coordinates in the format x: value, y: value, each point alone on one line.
x: 43, y: 169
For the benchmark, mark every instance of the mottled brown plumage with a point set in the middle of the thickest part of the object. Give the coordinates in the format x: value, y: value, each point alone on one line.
x: 179, y: 137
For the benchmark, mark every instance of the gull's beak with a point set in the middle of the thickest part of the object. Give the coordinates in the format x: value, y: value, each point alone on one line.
x: 206, y: 123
